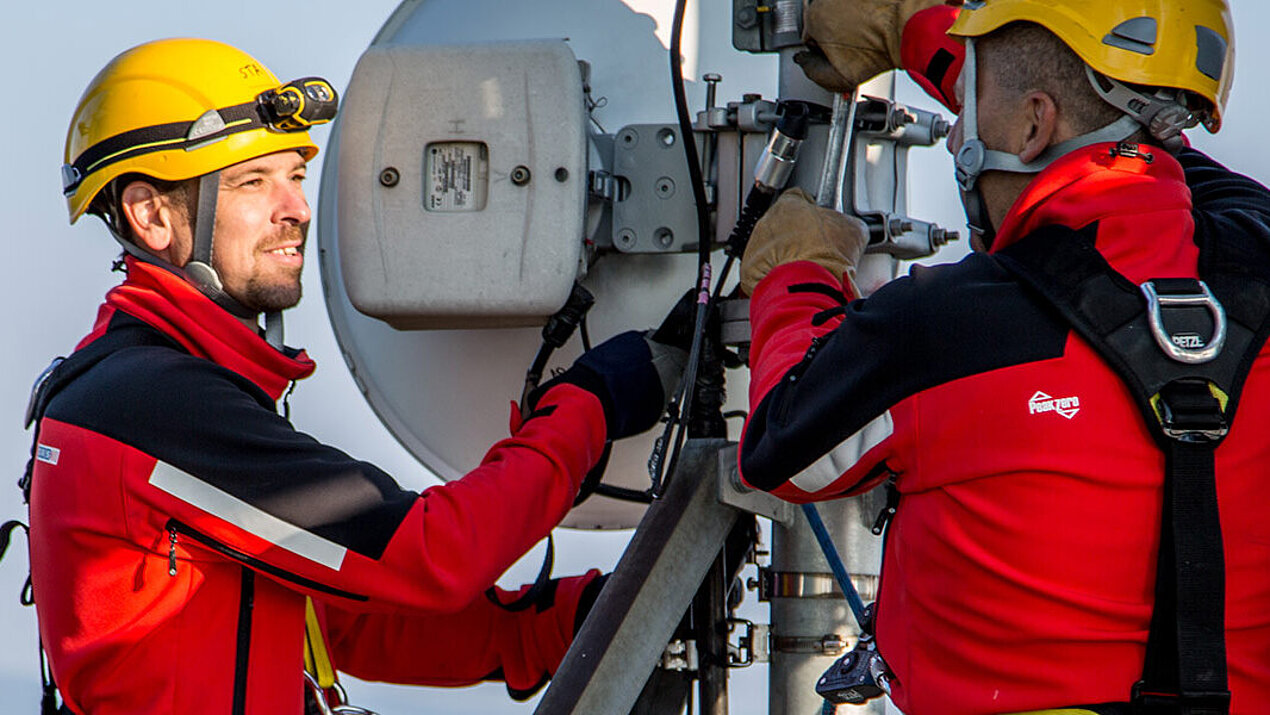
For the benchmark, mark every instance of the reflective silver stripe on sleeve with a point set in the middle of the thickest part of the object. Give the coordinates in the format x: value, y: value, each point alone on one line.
x: 192, y: 490
x: 827, y: 469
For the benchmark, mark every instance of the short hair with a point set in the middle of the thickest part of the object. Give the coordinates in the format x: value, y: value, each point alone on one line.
x: 1027, y: 57
x: 108, y: 205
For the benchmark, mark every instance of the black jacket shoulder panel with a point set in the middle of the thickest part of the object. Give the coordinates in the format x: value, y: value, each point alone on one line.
x: 1232, y: 217
x: 218, y: 426
x: 934, y: 326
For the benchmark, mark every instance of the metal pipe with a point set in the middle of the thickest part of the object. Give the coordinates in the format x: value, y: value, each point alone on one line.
x: 810, y: 630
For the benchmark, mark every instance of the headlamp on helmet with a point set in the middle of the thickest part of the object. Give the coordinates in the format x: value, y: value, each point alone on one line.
x: 291, y: 107
x: 299, y: 104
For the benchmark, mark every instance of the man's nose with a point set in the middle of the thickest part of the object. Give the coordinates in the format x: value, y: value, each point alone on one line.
x: 292, y: 206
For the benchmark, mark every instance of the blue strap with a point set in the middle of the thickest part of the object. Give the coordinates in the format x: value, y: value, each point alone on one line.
x: 835, y: 563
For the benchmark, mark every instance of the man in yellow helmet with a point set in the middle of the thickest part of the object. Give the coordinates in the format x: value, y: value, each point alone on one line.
x: 191, y: 551
x: 1077, y: 520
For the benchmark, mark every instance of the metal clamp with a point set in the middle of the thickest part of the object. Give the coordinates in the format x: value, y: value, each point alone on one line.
x: 830, y: 644
x: 1185, y: 348
x: 751, y: 646
x: 601, y: 184
x: 680, y: 655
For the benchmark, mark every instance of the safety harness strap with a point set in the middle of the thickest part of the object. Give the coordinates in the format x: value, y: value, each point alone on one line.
x: 317, y: 660
x: 1185, y: 666
x: 1188, y: 405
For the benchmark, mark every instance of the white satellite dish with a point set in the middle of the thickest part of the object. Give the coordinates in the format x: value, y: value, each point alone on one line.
x: 444, y: 393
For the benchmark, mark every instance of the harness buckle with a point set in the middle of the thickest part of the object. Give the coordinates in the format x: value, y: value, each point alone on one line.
x: 969, y: 163
x: 324, y: 706
x: 1192, y: 410
x: 1173, y: 293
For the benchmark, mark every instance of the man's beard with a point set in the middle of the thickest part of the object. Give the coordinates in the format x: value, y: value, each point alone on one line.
x: 267, y: 297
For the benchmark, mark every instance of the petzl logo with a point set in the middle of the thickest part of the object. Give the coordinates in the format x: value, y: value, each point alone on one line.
x: 1189, y: 341
x: 45, y: 453
x: 1065, y: 406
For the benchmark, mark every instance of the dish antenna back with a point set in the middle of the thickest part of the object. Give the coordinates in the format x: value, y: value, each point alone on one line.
x: 468, y: 192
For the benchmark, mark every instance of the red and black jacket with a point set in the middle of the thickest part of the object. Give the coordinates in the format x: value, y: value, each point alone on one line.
x: 179, y: 522
x: 1019, y: 568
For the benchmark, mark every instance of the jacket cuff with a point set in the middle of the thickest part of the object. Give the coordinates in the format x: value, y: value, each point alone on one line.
x: 932, y: 57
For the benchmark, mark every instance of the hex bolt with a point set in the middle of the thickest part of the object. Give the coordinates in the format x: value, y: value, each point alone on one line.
x: 900, y: 116
x: 939, y: 236
x: 664, y: 237
x: 520, y: 175
x: 940, y: 128
x: 899, y: 226
x: 746, y: 18
x: 389, y: 176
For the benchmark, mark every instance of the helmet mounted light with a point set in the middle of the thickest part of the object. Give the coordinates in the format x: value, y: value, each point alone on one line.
x: 292, y: 107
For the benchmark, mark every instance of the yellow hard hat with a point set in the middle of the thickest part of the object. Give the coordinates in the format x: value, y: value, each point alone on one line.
x: 181, y: 108
x: 1180, y: 44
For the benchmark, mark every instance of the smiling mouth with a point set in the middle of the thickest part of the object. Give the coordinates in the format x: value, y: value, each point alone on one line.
x: 286, y: 251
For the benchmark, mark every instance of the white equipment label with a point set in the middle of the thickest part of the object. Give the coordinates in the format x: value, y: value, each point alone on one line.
x: 457, y: 175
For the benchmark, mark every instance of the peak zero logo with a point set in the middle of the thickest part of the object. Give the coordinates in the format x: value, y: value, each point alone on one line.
x: 1065, y: 406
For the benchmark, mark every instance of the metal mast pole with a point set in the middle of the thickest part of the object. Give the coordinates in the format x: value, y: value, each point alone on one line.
x: 811, y: 624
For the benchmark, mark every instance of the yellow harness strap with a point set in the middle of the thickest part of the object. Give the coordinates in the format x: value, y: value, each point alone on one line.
x: 316, y: 659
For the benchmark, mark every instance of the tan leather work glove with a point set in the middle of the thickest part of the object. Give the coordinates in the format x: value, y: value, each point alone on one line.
x: 852, y: 41
x: 796, y: 229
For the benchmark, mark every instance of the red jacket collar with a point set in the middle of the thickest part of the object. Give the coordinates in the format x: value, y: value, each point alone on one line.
x: 181, y: 312
x: 1090, y: 185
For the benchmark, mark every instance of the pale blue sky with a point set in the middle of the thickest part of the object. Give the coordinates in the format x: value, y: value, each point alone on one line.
x: 57, y: 273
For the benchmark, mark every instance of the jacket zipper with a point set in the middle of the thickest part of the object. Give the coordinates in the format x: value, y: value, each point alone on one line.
x: 888, y: 510
x: 246, y: 604
x: 171, y: 549
x: 795, y: 373
x: 175, y: 527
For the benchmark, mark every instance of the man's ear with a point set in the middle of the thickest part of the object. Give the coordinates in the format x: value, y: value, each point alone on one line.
x: 149, y: 214
x: 1039, y: 126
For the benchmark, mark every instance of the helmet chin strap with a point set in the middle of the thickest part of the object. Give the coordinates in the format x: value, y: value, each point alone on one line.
x: 199, y: 271
x: 974, y: 157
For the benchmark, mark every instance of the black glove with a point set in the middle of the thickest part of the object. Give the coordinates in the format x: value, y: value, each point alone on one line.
x: 629, y: 373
